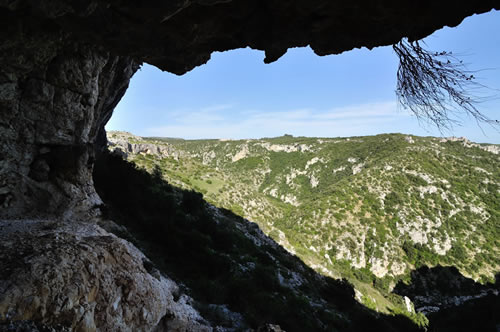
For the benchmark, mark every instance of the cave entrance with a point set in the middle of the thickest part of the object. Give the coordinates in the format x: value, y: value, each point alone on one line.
x: 236, y: 96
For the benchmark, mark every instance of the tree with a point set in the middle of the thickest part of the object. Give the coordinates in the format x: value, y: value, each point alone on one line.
x: 436, y: 86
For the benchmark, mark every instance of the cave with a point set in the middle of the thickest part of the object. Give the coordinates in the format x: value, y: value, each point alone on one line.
x: 66, y: 64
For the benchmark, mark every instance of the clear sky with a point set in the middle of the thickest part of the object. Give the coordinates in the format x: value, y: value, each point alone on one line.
x: 235, y: 95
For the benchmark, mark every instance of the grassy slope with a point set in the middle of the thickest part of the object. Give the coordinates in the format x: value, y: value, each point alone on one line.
x: 225, y: 261
x: 373, y: 203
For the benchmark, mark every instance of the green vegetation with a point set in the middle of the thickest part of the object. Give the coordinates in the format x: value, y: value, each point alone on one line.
x: 368, y: 209
x: 213, y: 255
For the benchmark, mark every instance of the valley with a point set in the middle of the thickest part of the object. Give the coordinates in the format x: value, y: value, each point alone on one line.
x: 368, y: 209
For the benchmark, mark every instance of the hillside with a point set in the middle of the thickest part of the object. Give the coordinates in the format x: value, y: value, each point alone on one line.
x: 369, y: 209
x: 232, y: 276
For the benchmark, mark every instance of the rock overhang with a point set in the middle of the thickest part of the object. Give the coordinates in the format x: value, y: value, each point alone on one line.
x: 179, y: 35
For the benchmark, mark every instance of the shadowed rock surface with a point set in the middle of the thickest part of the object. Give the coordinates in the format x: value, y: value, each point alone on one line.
x: 79, y: 276
x: 181, y: 34
x: 453, y: 302
x: 54, y: 97
x: 440, y: 287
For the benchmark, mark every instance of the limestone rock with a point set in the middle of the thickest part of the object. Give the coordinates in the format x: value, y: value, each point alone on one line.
x: 78, y: 276
x: 55, y: 96
x: 270, y: 328
x: 126, y: 144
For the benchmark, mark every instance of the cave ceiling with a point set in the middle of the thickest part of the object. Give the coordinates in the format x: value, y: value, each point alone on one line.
x: 178, y: 35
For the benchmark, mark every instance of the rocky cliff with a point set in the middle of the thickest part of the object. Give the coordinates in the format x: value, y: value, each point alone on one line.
x: 64, y: 65
x: 127, y: 144
x: 55, y: 94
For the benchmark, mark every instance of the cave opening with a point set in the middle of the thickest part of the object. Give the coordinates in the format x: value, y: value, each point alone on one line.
x: 65, y: 65
x: 236, y: 96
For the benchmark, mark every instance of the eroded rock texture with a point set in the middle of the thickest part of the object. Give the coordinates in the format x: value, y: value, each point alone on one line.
x: 178, y: 35
x: 54, y: 97
x: 78, y: 276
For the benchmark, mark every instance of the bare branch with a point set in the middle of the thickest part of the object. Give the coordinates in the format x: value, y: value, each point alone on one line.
x: 436, y: 86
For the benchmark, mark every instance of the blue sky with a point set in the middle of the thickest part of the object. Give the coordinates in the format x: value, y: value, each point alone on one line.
x: 235, y: 95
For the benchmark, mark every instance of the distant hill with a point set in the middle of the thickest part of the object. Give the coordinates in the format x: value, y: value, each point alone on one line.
x: 164, y: 139
x: 370, y: 209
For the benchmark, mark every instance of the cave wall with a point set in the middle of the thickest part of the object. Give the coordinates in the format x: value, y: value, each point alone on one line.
x: 178, y: 35
x: 55, y: 95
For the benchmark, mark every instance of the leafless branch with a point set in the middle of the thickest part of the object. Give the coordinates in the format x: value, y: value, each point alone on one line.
x: 436, y: 86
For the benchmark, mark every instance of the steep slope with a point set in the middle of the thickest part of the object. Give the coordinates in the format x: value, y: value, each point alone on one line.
x: 370, y: 209
x: 239, y: 278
